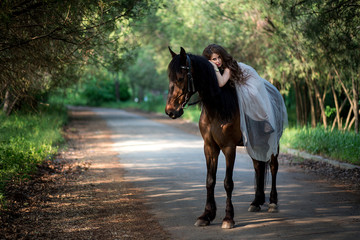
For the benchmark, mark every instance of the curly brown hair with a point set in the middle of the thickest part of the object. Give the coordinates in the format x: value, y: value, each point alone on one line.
x: 228, y: 61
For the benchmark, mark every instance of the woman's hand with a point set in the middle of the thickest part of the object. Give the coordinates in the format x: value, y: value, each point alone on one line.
x: 214, y: 65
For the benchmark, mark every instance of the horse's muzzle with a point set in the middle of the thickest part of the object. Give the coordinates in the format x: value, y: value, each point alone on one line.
x: 174, y: 113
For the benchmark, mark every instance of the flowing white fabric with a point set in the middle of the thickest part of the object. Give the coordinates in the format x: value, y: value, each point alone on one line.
x: 263, y: 115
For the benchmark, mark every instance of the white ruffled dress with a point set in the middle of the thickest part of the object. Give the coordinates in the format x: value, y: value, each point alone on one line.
x: 263, y: 115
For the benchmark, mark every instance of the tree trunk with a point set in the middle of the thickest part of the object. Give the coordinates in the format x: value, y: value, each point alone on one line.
x: 298, y: 103
x: 311, y: 100
x: 301, y: 105
x: 117, y: 93
x: 355, y: 84
x: 337, y: 117
x: 141, y: 94
x: 9, y: 102
x: 6, y: 101
x: 348, y: 117
x: 340, y: 119
x: 321, y: 104
x: 354, y: 102
x: 351, y: 123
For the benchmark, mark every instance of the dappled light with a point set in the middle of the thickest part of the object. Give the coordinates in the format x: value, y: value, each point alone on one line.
x: 125, y: 176
x: 170, y: 167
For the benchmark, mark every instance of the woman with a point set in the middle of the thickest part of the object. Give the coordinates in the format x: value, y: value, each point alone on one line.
x: 263, y: 113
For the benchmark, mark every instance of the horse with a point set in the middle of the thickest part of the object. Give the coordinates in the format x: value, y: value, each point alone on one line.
x: 219, y: 125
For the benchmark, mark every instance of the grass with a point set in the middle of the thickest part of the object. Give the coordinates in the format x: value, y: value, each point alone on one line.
x: 26, y: 140
x: 338, y: 145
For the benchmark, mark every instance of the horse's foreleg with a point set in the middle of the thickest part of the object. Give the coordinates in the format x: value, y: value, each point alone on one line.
x: 230, y: 153
x: 260, y: 185
x: 211, y: 154
x: 274, y: 166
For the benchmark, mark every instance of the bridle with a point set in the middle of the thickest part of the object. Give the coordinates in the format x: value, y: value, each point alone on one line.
x: 190, y: 84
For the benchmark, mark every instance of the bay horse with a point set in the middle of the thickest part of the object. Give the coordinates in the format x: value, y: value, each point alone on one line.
x: 219, y: 125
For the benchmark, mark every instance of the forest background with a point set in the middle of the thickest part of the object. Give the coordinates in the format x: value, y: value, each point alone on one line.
x: 115, y: 53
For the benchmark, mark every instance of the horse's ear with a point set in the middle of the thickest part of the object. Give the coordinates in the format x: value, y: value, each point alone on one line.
x: 182, y: 51
x: 182, y: 56
x: 172, y: 52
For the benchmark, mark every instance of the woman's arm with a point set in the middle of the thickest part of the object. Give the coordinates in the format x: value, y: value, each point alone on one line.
x: 222, y: 79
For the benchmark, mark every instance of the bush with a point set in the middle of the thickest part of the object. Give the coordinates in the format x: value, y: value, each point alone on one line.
x: 99, y: 91
x: 101, y: 88
x: 26, y: 140
x: 342, y: 146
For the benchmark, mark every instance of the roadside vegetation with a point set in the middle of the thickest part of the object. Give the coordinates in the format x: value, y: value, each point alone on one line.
x: 337, y: 145
x: 26, y: 140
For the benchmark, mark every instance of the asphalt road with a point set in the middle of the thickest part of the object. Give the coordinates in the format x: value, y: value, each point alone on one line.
x: 169, y: 165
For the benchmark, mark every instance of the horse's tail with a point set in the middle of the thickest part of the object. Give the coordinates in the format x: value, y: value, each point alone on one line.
x: 261, y: 179
x: 267, y: 166
x: 266, y: 177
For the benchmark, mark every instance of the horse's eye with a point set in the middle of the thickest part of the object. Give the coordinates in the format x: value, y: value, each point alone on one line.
x: 181, y: 79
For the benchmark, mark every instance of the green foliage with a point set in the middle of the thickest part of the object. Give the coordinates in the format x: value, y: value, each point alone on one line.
x: 26, y: 140
x: 329, y: 111
x: 152, y: 103
x: 100, y: 88
x: 96, y: 92
x: 44, y: 43
x: 324, y: 39
x: 143, y: 75
x: 343, y: 146
x: 285, y: 41
x: 192, y: 114
x: 97, y: 86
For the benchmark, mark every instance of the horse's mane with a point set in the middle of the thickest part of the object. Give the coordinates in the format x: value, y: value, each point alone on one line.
x: 218, y: 102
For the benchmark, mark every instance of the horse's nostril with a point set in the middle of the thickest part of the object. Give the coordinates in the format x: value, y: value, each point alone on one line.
x: 170, y: 114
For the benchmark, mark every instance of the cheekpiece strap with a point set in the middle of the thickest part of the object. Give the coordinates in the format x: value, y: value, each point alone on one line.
x: 191, y: 86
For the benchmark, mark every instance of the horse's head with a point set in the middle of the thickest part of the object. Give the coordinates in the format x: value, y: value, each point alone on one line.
x: 181, y: 84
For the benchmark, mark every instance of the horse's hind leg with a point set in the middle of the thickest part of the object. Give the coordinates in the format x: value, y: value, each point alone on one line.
x: 260, y: 168
x: 230, y: 153
x: 274, y: 166
x: 211, y: 153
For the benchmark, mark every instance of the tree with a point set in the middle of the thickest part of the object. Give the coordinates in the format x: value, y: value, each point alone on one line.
x: 44, y: 41
x: 331, y: 29
x: 143, y: 76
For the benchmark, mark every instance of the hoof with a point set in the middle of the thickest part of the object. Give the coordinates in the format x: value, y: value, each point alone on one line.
x: 228, y: 224
x: 273, y: 208
x: 202, y: 223
x: 253, y: 208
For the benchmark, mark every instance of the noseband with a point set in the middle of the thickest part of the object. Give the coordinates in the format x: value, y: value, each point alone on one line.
x: 190, y: 82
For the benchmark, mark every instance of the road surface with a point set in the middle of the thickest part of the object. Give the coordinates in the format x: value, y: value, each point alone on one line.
x: 169, y: 165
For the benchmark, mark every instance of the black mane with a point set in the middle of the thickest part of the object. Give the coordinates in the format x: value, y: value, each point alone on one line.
x: 221, y: 103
